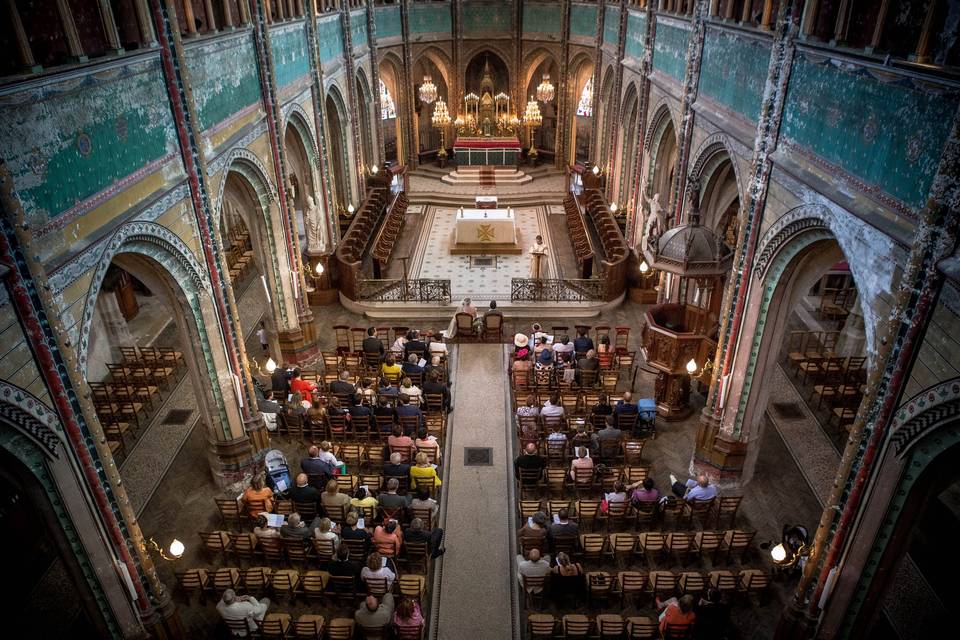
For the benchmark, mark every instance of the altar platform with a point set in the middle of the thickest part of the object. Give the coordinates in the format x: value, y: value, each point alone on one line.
x: 487, y: 150
x: 485, y: 232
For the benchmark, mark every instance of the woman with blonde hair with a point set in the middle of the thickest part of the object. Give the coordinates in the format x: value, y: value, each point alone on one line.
x: 414, y: 393
x: 255, y: 493
x: 423, y: 470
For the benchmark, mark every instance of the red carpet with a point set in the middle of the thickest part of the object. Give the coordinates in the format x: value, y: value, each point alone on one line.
x: 487, y: 176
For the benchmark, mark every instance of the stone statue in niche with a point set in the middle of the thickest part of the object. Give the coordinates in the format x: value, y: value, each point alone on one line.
x: 654, y: 226
x: 312, y: 222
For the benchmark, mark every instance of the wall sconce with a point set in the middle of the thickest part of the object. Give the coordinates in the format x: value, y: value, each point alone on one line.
x: 350, y: 209
x: 613, y: 207
x: 318, y: 269
x: 176, y: 549
x: 692, y: 368
x: 271, y: 366
x: 374, y: 170
x: 644, y: 267
x: 596, y: 170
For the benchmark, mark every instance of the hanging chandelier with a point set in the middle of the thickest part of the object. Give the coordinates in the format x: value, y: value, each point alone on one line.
x: 428, y: 90
x: 545, y: 90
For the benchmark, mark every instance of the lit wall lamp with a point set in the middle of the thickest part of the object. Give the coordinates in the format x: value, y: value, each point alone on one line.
x: 692, y: 363
x: 596, y: 170
x: 374, y: 170
x: 613, y: 208
x: 271, y: 366
x: 175, y: 549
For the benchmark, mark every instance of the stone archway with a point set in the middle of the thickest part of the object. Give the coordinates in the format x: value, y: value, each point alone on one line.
x: 365, y: 107
x: 303, y: 163
x: 541, y: 63
x: 338, y: 147
x: 663, y: 152
x: 604, y: 103
x: 581, y: 114
x: 628, y: 145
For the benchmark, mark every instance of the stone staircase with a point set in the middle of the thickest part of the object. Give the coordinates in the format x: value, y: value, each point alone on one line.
x: 502, y: 175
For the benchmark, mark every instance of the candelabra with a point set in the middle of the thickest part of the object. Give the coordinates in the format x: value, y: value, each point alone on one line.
x: 545, y: 90
x: 532, y: 118
x: 440, y: 120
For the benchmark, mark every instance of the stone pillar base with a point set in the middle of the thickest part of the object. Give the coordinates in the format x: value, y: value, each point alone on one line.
x: 299, y: 345
x: 795, y: 624
x: 715, y: 454
x: 672, y: 392
x: 162, y: 621
x: 231, y: 460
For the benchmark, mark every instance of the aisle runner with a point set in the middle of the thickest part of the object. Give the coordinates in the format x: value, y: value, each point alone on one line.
x: 488, y: 177
x: 477, y: 586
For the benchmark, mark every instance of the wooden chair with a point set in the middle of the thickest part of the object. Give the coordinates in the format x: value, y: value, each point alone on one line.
x: 229, y: 511
x: 216, y: 542
x: 736, y: 542
x: 575, y: 625
x: 726, y: 507
x: 724, y: 581
x: 492, y: 328
x: 708, y: 542
x: 540, y: 626
x: 341, y: 629
x: 308, y: 627
x: 599, y: 587
x: 753, y: 582
x: 285, y: 583
x: 642, y: 628
x: 652, y: 545
x: 680, y: 545
x: 193, y: 581
x: 609, y: 626
x: 465, y: 327
x: 244, y: 546
x: 256, y: 579
x: 632, y: 584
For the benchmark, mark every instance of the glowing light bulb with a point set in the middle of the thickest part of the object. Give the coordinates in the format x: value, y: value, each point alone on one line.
x: 318, y: 269
x: 176, y: 548
x: 596, y: 170
x: 613, y: 207
x: 374, y: 169
x: 778, y: 553
x: 350, y: 208
x: 691, y: 366
x: 271, y: 365
x: 644, y: 267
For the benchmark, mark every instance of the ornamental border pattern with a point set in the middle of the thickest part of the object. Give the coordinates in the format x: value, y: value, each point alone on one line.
x: 22, y: 409
x: 708, y: 149
x: 803, y: 218
x: 924, y: 411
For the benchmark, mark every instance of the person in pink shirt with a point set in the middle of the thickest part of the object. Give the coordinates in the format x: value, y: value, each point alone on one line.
x: 582, y: 461
x: 407, y: 615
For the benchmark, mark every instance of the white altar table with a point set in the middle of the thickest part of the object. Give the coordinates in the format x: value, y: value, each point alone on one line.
x: 485, y: 231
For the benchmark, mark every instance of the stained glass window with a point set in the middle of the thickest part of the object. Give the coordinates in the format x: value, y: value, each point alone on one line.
x: 585, y: 106
x: 387, y: 107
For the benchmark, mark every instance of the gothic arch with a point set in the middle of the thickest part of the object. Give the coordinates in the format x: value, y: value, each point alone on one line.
x: 31, y: 418
x: 605, y: 101
x: 923, y: 414
x: 155, y: 242
x: 441, y: 61
x: 662, y: 114
x: 533, y: 59
x: 245, y: 162
x: 298, y: 118
x: 338, y: 137
x: 365, y: 107
x: 706, y: 161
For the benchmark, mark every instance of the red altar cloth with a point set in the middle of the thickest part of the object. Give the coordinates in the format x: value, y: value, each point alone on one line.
x: 487, y: 143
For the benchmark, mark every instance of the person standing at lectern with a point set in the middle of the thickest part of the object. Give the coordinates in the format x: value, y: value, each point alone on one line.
x: 537, y: 251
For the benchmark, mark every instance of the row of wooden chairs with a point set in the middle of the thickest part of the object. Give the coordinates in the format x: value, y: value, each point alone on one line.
x: 577, y: 403
x: 362, y: 429
x: 281, y: 626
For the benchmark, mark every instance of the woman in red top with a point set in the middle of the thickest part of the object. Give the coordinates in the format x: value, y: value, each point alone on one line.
x: 678, y: 614
x: 299, y: 385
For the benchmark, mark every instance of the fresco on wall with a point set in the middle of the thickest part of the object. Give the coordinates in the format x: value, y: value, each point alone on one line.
x: 224, y: 78
x: 583, y: 20
x: 733, y: 71
x: 886, y: 130
x: 482, y: 17
x: 426, y: 17
x: 329, y: 39
x: 541, y: 18
x: 68, y: 141
x: 636, y: 34
x: 670, y: 50
x: 358, y: 29
x: 611, y: 26
x: 289, y: 47
x: 388, y: 22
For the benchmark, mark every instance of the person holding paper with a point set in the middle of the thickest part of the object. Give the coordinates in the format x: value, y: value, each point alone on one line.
x: 264, y: 530
x: 537, y: 251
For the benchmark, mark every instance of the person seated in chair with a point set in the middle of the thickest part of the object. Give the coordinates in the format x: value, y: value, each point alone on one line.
x: 390, y: 499
x: 563, y: 527
x: 350, y: 530
x: 233, y: 607
x: 626, y: 405
x: 433, y: 387
x: 406, y: 408
x: 372, y: 344
x: 303, y: 493
x: 342, y: 385
x: 396, y: 467
x: 295, y: 528
x: 433, y: 538
x: 493, y: 312
x: 564, y: 346
x: 587, y: 363
x: 582, y: 343
x: 301, y: 386
x: 375, y: 612
x: 411, y: 365
x: 361, y: 406
x: 529, y: 459
x: 414, y: 344
x: 390, y: 368
x: 342, y: 566
x: 606, y: 437
x: 699, y: 489
x: 533, y: 566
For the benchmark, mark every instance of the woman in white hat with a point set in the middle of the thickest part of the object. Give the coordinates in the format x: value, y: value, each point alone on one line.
x: 521, y: 353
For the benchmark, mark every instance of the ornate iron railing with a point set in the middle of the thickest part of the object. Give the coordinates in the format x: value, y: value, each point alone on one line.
x: 557, y: 290
x: 410, y: 290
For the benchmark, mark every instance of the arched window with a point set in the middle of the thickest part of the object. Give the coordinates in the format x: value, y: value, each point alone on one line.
x: 387, y: 108
x: 585, y: 106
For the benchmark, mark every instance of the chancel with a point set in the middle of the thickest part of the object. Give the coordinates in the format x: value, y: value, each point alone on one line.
x: 355, y: 319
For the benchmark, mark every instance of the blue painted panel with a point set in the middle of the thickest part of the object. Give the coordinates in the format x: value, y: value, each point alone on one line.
x: 636, y: 33
x: 670, y: 50
x: 358, y: 29
x: 541, y: 18
x: 892, y: 137
x: 388, y: 22
x: 611, y: 25
x: 733, y: 71
x: 224, y: 79
x: 583, y: 20
x: 426, y: 17
x: 289, y: 47
x: 329, y: 39
x: 484, y: 17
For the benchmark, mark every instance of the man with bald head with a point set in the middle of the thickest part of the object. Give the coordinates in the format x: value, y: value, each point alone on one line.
x: 533, y: 566
x: 374, y: 612
x: 302, y: 492
x: 234, y: 607
x: 529, y: 459
x: 699, y: 489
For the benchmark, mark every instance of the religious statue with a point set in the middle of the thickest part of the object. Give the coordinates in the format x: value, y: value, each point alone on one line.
x: 312, y: 222
x: 654, y: 226
x: 537, y: 251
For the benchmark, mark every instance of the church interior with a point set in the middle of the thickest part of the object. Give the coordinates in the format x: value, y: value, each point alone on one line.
x: 495, y: 319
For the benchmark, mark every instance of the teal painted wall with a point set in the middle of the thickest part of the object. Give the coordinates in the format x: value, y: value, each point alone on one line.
x: 887, y: 134
x: 69, y: 141
x: 737, y: 86
x: 484, y: 17
x: 426, y: 17
x: 636, y: 32
x: 611, y: 25
x: 583, y: 20
x: 329, y: 39
x: 358, y: 29
x: 541, y: 18
x: 224, y: 79
x: 388, y: 22
x: 289, y: 54
x: 670, y: 50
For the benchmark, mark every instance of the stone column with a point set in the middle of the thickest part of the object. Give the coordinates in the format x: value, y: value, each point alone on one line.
x: 228, y: 15
x: 564, y: 90
x: 74, y: 47
x: 413, y: 147
x: 27, y: 60
x: 110, y: 27
x: 378, y: 153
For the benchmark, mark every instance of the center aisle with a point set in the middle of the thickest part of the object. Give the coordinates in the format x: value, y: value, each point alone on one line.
x: 476, y: 594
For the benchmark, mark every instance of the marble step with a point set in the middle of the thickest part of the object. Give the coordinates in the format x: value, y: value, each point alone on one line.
x: 443, y: 312
x: 512, y: 200
x: 502, y: 177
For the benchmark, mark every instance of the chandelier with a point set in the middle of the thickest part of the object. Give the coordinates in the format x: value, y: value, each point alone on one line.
x: 428, y: 90
x: 532, y: 116
x: 441, y: 115
x: 545, y: 90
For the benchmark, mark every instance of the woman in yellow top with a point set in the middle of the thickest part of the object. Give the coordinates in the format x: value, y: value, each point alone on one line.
x: 423, y: 470
x: 390, y: 369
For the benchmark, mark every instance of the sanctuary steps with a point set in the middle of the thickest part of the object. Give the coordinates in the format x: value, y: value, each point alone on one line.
x: 473, y: 175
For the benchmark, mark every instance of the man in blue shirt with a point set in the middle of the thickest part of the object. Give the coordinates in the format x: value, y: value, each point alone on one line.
x: 582, y: 343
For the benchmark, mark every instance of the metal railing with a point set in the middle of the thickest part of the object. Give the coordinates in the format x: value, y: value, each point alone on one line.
x: 404, y: 290
x: 557, y: 290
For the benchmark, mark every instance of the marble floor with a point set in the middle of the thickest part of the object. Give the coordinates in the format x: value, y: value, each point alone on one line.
x: 432, y: 259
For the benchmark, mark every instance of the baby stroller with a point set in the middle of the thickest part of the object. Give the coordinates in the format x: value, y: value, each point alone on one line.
x: 278, y: 472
